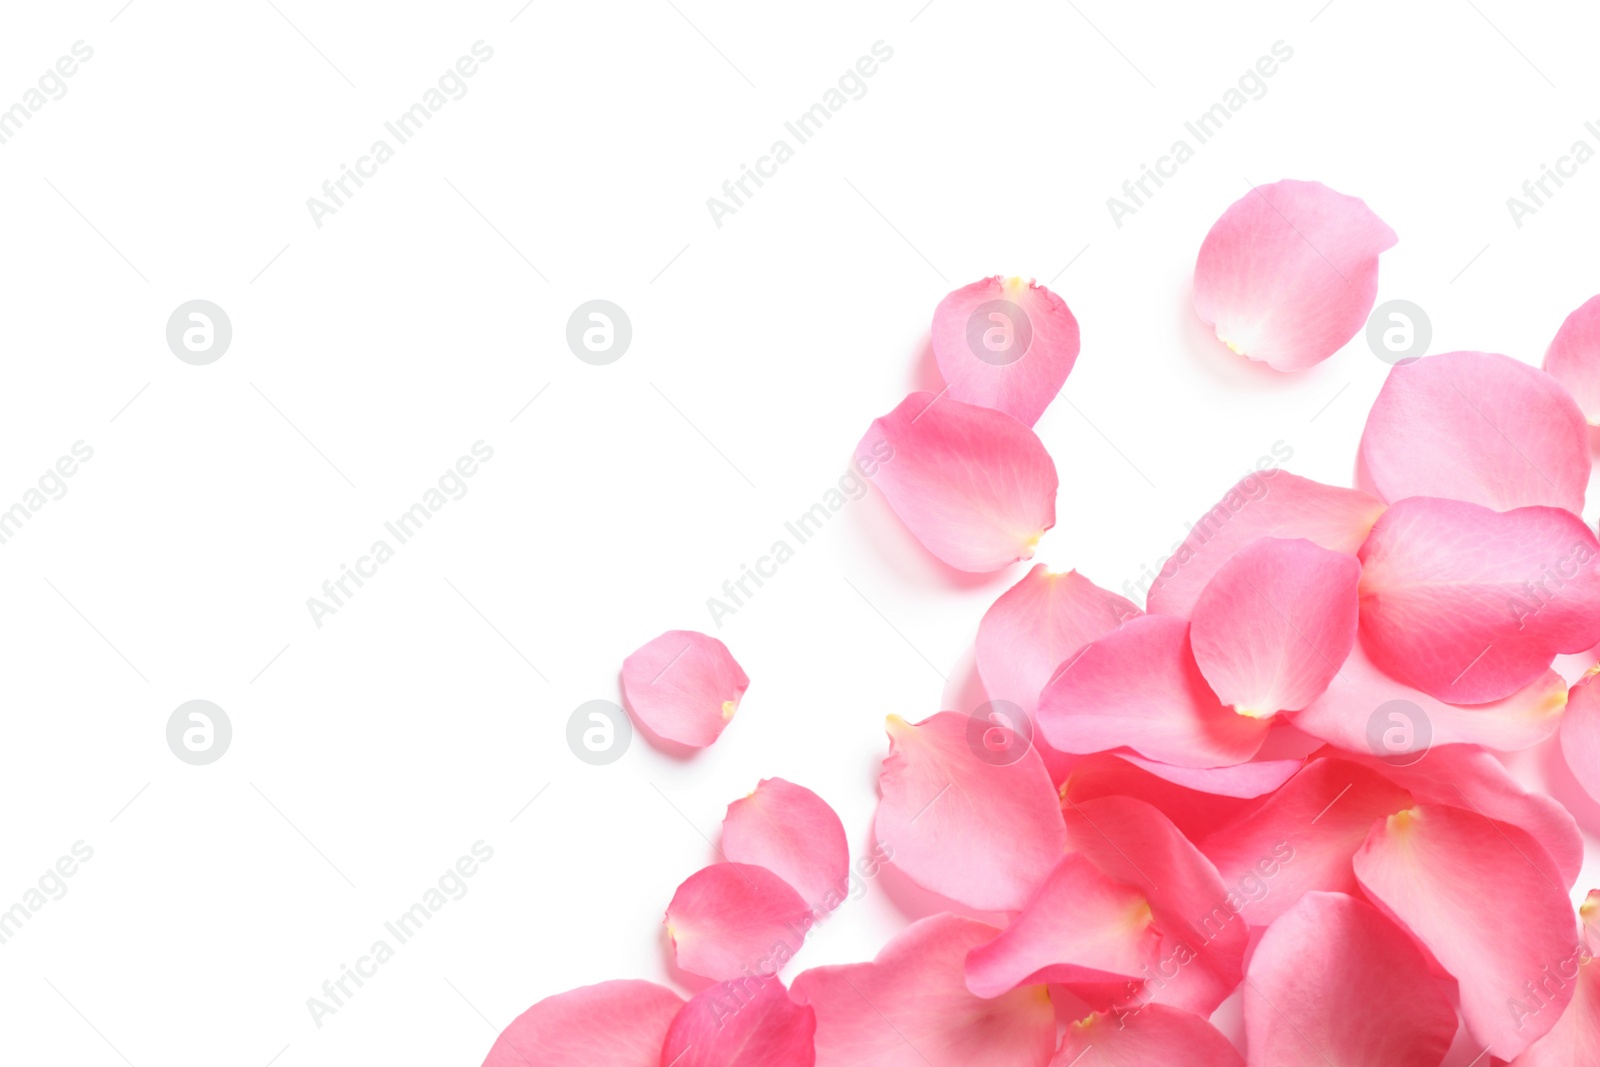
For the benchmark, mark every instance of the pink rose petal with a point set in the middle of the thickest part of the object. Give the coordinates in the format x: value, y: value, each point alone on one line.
x: 1197, y: 800
x: 981, y: 833
x: 736, y: 920
x: 1575, y: 1038
x: 1271, y: 503
x: 1289, y: 272
x: 1479, y: 427
x: 1152, y: 1036
x: 683, y: 686
x: 746, y: 1023
x: 619, y: 1024
x: 1005, y: 344
x: 1334, y: 981
x: 793, y: 833
x: 1483, y: 898
x: 1469, y: 605
x: 1275, y: 623
x: 1139, y: 687
x: 975, y: 486
x: 1580, y: 734
x: 1573, y: 358
x: 910, y: 1007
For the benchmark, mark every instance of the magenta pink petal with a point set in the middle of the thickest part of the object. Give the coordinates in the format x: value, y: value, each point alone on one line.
x: 1335, y: 982
x: 1483, y: 898
x: 1005, y: 344
x: 1580, y: 733
x: 1197, y: 800
x: 1152, y: 1036
x: 974, y: 485
x: 1272, y: 628
x: 1139, y: 687
x: 736, y: 920
x: 981, y: 833
x: 1468, y: 604
x: 619, y: 1024
x: 1575, y: 1038
x: 1079, y: 927
x: 793, y: 833
x: 750, y: 1022
x: 910, y: 1007
x: 1361, y: 695
x: 1271, y: 503
x: 683, y: 686
x: 1289, y: 272
x: 1479, y: 427
x: 1573, y: 358
x: 1202, y: 937
x: 1037, y: 625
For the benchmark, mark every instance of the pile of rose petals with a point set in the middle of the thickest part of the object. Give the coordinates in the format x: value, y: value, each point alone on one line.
x: 1132, y: 859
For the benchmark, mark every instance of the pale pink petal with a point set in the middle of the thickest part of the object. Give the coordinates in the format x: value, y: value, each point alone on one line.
x: 974, y: 485
x: 1153, y: 1036
x: 910, y: 1007
x: 619, y: 1024
x: 1139, y: 687
x: 1573, y: 358
x: 736, y: 920
x: 1275, y: 623
x: 1468, y: 604
x: 1302, y: 837
x: 1575, y: 1038
x: 1580, y: 734
x: 1362, y: 695
x: 1289, y: 272
x: 750, y: 1022
x: 1479, y: 427
x: 1080, y: 927
x: 1335, y: 982
x: 1483, y: 898
x: 793, y: 833
x: 1202, y: 936
x: 1005, y: 344
x: 683, y: 686
x: 981, y: 833
x: 1037, y: 625
x: 1197, y: 800
x: 1270, y: 503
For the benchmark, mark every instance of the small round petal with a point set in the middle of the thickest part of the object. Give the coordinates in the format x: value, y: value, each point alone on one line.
x: 730, y: 920
x: 1139, y: 687
x: 981, y: 833
x: 1289, y: 273
x: 1483, y: 898
x: 1005, y: 344
x: 1325, y: 984
x: 746, y: 1023
x: 619, y: 1024
x: 1468, y: 604
x: 1479, y: 427
x: 1580, y: 734
x: 683, y: 686
x: 1275, y: 624
x: 910, y: 1007
x: 1573, y: 358
x: 793, y: 833
x: 1152, y: 1035
x: 974, y: 485
x: 1081, y: 927
x: 1272, y: 503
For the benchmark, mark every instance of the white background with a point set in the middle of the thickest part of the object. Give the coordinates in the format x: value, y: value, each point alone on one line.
x: 370, y: 753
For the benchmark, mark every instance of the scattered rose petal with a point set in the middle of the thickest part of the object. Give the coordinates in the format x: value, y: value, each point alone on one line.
x: 1153, y: 1035
x: 1479, y: 427
x: 619, y: 1024
x: 1005, y: 344
x: 1197, y: 800
x: 1573, y: 358
x: 975, y: 486
x: 1469, y: 605
x: 1580, y: 734
x: 1575, y: 1038
x: 910, y: 1007
x: 746, y: 1023
x: 981, y: 833
x: 1289, y: 272
x: 735, y: 920
x: 683, y: 686
x: 793, y: 833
